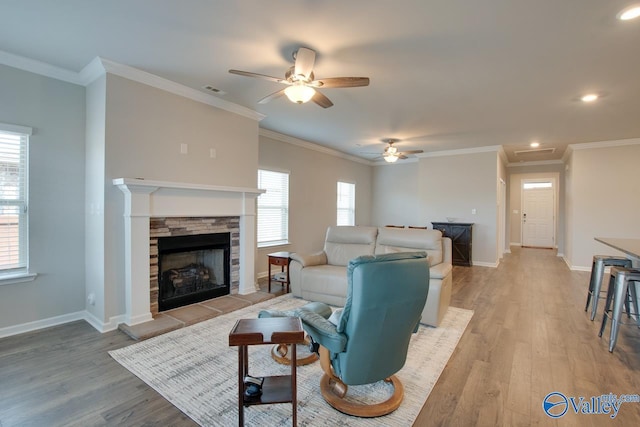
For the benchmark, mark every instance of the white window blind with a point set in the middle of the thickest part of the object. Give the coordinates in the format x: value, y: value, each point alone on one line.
x: 13, y: 198
x: 273, y: 208
x: 346, y: 204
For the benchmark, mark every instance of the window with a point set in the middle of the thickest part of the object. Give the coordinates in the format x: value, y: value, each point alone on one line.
x: 273, y: 208
x: 346, y: 203
x: 14, y: 239
x: 533, y: 185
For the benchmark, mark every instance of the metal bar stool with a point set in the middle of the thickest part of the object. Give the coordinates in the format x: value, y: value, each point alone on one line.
x: 597, y: 273
x: 620, y: 293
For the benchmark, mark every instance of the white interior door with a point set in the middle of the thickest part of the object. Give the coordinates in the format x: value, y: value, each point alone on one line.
x: 538, y: 211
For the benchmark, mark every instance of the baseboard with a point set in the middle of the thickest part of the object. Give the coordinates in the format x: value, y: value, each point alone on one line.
x: 101, y: 326
x: 36, y: 325
x: 41, y: 324
x: 485, y: 264
x: 575, y: 267
x: 262, y: 275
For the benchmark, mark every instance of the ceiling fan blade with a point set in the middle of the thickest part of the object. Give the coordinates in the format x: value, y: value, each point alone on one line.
x: 401, y: 156
x: 321, y: 100
x: 341, y: 82
x: 412, y: 152
x: 271, y: 97
x: 305, y: 58
x: 260, y: 76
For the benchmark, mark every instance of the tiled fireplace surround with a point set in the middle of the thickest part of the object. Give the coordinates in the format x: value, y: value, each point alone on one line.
x: 159, y: 207
x: 191, y: 226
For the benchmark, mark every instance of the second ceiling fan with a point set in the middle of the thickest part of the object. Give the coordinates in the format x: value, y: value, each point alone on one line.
x: 300, y: 80
x: 391, y: 153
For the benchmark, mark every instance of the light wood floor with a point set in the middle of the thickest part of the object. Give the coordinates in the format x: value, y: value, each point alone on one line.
x: 529, y: 336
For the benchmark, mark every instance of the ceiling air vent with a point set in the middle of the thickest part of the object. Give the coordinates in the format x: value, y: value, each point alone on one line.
x: 212, y: 89
x: 534, y: 151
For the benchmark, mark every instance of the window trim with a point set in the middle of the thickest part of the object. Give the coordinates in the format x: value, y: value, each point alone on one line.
x: 20, y: 274
x: 351, y: 210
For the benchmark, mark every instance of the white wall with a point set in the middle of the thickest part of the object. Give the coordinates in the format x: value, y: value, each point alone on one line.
x: 312, y: 192
x: 56, y: 112
x: 605, y: 198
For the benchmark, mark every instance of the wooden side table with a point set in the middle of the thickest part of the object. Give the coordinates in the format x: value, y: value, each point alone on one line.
x: 282, y: 259
x: 273, y: 330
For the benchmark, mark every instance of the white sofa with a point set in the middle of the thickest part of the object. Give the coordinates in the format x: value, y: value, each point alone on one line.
x: 322, y: 276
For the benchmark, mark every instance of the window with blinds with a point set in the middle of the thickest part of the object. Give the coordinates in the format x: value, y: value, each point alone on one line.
x: 346, y: 203
x: 14, y: 142
x: 273, y: 208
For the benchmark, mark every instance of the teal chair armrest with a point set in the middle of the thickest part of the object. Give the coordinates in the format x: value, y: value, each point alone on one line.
x: 322, y: 331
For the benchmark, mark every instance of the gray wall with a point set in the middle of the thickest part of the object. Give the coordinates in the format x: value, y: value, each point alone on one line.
x: 312, y: 193
x: 605, y: 199
x: 144, y: 128
x: 396, y: 196
x: 451, y: 186
x: 439, y: 187
x: 56, y: 112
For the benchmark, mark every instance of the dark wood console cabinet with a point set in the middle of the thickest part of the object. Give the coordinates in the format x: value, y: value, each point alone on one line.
x: 460, y: 234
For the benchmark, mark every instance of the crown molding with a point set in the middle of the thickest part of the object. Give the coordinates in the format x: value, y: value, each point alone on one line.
x: 599, y: 144
x: 99, y: 66
x: 461, y: 152
x: 311, y: 146
x: 605, y: 144
x: 39, y: 67
x: 92, y: 71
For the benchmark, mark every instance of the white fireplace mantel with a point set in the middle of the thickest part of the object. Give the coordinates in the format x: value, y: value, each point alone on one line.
x: 145, y: 199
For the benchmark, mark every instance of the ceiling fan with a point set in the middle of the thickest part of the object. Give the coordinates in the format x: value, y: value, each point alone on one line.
x: 300, y: 80
x: 391, y: 153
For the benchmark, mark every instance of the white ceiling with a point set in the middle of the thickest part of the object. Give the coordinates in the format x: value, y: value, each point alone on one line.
x: 445, y: 74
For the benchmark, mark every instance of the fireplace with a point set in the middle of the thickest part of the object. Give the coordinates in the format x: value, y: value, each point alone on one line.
x: 193, y: 269
x: 157, y: 209
x: 192, y: 259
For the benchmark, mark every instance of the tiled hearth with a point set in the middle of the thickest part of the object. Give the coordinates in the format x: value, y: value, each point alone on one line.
x: 188, y: 315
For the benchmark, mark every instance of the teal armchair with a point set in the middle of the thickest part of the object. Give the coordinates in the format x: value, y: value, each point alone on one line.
x: 369, y: 343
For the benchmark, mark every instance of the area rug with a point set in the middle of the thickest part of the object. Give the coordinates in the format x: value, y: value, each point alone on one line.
x: 195, y: 369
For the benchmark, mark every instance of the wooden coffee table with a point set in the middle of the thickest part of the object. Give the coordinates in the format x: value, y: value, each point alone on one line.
x: 273, y: 330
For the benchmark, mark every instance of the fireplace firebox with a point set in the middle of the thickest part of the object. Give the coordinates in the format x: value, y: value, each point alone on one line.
x: 193, y: 268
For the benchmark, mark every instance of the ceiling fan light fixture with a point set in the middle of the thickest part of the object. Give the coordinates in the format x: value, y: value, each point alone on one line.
x: 591, y: 97
x: 629, y: 13
x: 390, y: 158
x: 299, y: 93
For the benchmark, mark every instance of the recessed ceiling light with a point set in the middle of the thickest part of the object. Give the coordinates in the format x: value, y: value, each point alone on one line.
x: 631, y: 12
x: 534, y: 144
x: 589, y: 97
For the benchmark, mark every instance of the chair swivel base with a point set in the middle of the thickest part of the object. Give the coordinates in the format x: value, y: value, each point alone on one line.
x: 279, y: 353
x: 333, y: 390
